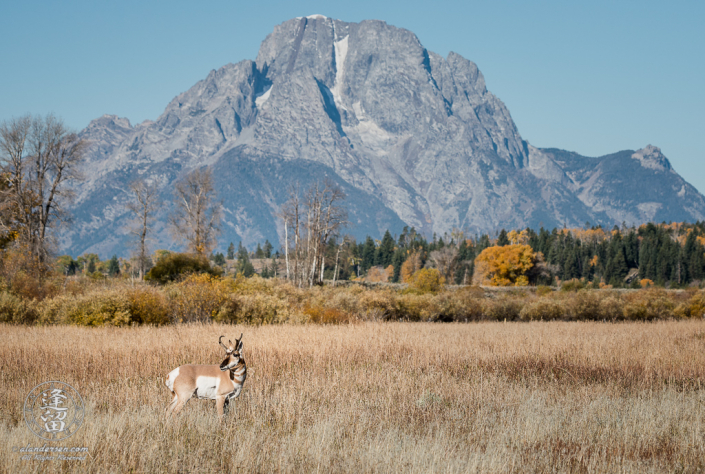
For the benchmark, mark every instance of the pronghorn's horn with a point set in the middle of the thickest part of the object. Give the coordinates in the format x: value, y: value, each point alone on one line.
x: 240, y: 338
x: 221, y: 344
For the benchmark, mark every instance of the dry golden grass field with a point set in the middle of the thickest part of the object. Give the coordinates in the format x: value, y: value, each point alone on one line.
x: 374, y: 397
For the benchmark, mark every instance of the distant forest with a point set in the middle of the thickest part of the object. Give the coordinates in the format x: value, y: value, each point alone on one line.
x: 671, y: 255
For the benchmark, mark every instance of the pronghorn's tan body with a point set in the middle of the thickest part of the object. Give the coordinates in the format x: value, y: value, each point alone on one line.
x: 220, y: 383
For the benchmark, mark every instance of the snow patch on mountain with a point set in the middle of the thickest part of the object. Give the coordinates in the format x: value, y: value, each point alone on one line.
x: 341, y: 51
x: 262, y: 98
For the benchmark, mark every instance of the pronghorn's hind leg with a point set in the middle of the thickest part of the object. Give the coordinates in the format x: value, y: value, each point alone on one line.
x: 172, y: 404
x: 178, y: 403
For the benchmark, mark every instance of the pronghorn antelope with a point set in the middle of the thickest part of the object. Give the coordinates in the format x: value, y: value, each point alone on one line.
x: 212, y: 382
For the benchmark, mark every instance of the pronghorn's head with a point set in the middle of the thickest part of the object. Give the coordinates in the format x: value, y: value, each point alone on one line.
x: 233, y: 353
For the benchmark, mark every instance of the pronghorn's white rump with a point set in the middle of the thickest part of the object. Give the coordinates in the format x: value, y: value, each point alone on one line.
x: 212, y: 382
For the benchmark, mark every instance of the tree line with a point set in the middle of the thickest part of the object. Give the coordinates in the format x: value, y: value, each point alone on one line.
x: 40, y: 161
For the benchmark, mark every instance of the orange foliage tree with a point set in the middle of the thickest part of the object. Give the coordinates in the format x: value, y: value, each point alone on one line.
x: 379, y: 274
x: 504, y: 266
x: 410, y: 266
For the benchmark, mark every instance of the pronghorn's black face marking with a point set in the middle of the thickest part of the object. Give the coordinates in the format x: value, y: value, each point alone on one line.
x: 232, y: 354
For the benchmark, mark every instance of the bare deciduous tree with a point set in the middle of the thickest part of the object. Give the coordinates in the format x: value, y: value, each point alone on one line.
x: 39, y: 157
x: 445, y: 260
x: 196, y: 217
x: 144, y: 205
x: 311, y: 224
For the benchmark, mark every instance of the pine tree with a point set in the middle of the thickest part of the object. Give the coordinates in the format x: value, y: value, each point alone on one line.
x: 397, y: 262
x: 219, y: 259
x: 502, y: 240
x: 259, y: 253
x: 385, y: 252
x: 267, y: 249
x: 571, y: 266
x: 231, y: 251
x: 368, y: 253
x: 618, y: 269
x: 114, y: 266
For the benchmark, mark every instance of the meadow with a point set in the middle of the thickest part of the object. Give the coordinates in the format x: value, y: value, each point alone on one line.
x: 559, y: 396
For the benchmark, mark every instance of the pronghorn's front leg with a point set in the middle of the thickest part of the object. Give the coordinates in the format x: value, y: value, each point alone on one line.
x: 219, y: 403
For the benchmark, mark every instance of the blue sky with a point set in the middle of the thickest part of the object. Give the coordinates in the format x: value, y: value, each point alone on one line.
x: 592, y: 77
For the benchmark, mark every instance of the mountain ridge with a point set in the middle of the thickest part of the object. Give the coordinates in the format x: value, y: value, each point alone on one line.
x: 414, y: 138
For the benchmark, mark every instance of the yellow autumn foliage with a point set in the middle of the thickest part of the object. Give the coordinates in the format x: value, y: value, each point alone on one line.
x: 504, y: 266
x: 410, y: 266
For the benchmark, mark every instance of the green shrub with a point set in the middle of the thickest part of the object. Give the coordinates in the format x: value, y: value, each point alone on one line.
x: 177, y: 265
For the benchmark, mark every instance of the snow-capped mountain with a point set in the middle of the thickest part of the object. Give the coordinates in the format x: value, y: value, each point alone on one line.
x: 413, y: 139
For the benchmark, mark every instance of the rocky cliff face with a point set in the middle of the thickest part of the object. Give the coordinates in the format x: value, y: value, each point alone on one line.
x: 413, y: 138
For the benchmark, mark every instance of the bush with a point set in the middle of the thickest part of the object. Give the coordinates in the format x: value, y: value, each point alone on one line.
x: 572, y: 285
x: 197, y: 298
x: 322, y: 315
x: 541, y: 309
x: 98, y: 308
x: 612, y: 308
x: 427, y: 280
x: 694, y: 308
x: 177, y: 265
x: 253, y: 309
x: 585, y: 305
x: 648, y: 305
x: 16, y: 310
x: 501, y: 309
x: 148, y: 306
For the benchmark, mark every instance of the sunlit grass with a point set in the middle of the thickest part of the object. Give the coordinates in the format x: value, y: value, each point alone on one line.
x: 375, y: 397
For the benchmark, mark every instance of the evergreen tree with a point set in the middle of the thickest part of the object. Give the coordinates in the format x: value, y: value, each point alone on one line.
x: 259, y: 253
x: 617, y: 269
x: 267, y: 249
x: 244, y: 265
x: 114, y: 266
x: 219, y: 259
x: 482, y: 243
x: 231, y: 251
x: 571, y: 266
x: 385, y: 251
x: 367, y: 253
x: 502, y: 240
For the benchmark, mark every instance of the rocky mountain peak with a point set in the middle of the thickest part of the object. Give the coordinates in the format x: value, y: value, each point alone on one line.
x: 651, y: 157
x: 411, y: 137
